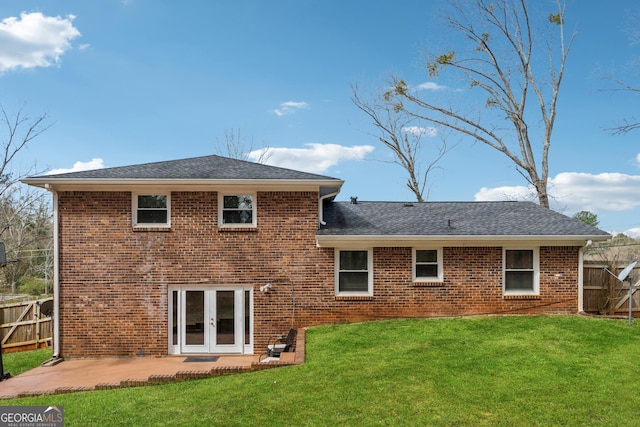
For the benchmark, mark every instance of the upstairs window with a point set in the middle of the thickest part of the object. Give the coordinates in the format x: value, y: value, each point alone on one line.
x: 151, y: 210
x: 354, y: 272
x: 521, y: 268
x: 427, y: 265
x: 237, y: 210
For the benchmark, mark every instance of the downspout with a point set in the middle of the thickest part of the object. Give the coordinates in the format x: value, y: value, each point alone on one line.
x: 56, y: 276
x: 321, y: 206
x: 581, y: 252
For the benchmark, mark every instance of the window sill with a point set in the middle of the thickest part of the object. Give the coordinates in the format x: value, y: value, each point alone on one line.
x: 165, y: 229
x: 521, y: 297
x: 354, y: 297
x: 232, y: 228
x: 427, y: 284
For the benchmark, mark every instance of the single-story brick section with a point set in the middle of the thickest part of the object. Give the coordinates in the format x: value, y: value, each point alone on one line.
x: 218, y: 255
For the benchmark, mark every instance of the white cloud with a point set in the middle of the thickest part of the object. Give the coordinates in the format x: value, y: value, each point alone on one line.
x: 80, y: 166
x: 430, y: 86
x: 316, y: 158
x: 575, y: 191
x: 512, y: 193
x: 290, y: 107
x: 420, y: 131
x: 597, y: 193
x: 633, y: 232
x: 34, y: 40
x: 638, y: 159
x: 571, y: 192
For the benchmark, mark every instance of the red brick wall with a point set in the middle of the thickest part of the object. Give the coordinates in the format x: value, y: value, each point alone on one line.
x: 114, y: 279
x: 472, y: 286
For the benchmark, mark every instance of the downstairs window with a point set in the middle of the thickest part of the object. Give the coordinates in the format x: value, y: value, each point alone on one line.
x: 354, y: 272
x: 427, y: 265
x: 521, y: 272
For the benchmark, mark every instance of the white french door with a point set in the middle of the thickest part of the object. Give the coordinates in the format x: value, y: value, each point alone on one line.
x: 210, y: 320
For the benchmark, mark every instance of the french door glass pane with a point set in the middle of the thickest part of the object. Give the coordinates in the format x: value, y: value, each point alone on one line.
x: 194, y: 317
x: 225, y: 313
x: 247, y: 317
x: 174, y: 317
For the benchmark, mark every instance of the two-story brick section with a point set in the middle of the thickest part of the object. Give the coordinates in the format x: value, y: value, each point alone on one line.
x: 218, y: 255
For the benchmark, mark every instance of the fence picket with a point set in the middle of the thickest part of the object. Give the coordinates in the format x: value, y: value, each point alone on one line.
x: 21, y: 334
x: 603, y: 294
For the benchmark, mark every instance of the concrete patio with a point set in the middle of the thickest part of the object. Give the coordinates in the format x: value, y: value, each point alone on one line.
x: 102, y: 374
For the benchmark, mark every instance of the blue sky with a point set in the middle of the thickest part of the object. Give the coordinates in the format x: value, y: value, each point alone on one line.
x: 135, y: 81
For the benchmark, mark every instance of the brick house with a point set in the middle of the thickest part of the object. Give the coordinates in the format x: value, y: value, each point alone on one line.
x: 217, y: 255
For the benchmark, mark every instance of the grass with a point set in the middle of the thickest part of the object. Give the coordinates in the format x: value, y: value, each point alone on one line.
x: 491, y: 371
x: 17, y: 363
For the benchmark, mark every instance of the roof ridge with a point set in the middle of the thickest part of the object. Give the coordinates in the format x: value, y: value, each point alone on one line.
x: 209, y: 167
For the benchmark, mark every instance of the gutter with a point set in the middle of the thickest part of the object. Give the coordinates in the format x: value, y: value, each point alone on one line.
x: 366, y: 240
x: 321, y: 206
x: 56, y: 277
x: 581, y: 252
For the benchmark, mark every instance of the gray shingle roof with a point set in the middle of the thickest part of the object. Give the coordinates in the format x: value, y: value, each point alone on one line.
x: 197, y: 168
x: 449, y: 219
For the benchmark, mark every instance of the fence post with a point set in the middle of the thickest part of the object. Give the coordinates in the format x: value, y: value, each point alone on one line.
x: 36, y: 311
x: 3, y: 375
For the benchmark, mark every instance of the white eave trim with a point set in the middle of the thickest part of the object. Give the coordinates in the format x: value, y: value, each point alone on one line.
x: 63, y: 184
x: 367, y: 241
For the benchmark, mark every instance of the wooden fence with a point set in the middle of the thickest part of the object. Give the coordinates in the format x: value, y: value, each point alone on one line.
x: 604, y: 294
x: 26, y: 325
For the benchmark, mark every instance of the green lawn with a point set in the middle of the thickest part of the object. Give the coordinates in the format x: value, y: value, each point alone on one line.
x: 510, y: 371
x: 17, y: 363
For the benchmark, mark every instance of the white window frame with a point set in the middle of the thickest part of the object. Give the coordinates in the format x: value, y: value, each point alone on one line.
x: 134, y: 213
x: 254, y: 210
x: 435, y: 279
x: 369, y: 291
x: 536, y: 271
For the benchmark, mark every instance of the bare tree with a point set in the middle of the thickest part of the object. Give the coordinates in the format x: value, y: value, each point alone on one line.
x: 502, y: 60
x: 404, y: 136
x: 236, y: 146
x: 24, y: 215
x: 629, y: 124
x: 20, y: 130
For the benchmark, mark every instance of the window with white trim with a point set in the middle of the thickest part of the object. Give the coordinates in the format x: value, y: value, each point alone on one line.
x: 521, y: 271
x: 237, y: 210
x: 151, y: 210
x: 427, y: 265
x: 354, y: 272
